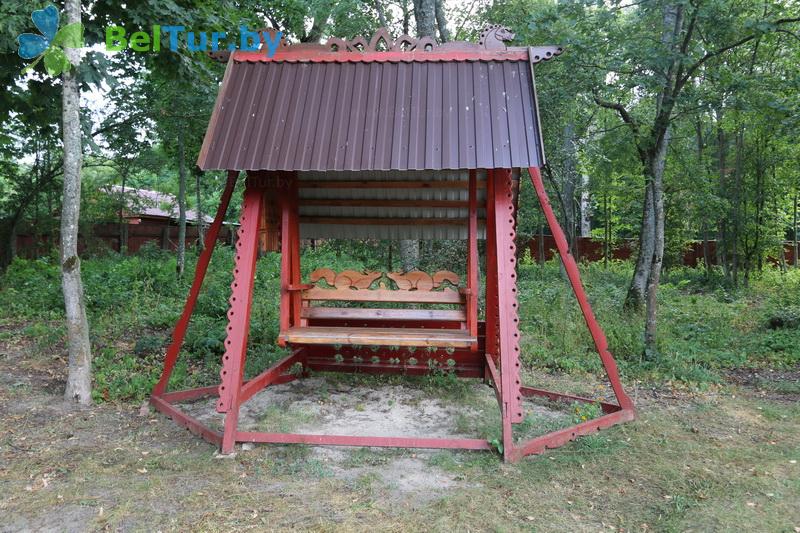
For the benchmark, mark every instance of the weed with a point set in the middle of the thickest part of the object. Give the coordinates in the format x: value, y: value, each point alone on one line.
x: 582, y: 411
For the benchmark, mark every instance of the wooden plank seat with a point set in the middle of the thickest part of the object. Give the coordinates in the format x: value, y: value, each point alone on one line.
x: 443, y: 338
x: 449, y: 327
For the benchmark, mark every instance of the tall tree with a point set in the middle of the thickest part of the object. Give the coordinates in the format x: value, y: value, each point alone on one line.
x: 425, y: 16
x: 181, y: 265
x: 79, y: 379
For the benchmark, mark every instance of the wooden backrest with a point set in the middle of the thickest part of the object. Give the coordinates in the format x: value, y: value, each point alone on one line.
x: 411, y: 287
x: 414, y: 287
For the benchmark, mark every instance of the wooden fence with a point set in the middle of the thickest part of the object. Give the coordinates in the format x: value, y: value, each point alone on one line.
x: 589, y: 249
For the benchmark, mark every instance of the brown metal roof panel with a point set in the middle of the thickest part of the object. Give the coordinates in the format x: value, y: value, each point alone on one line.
x: 324, y: 120
x: 386, y: 114
x: 466, y: 114
x: 355, y: 131
x: 305, y: 141
x: 433, y: 116
x: 529, y: 114
x: 449, y: 138
x: 484, y: 157
x: 375, y: 82
x: 287, y: 92
x: 518, y: 144
x: 399, y: 152
x: 242, y: 142
x: 345, y: 105
x: 381, y: 116
x: 294, y: 118
x: 232, y: 102
x: 417, y: 114
x: 500, y: 118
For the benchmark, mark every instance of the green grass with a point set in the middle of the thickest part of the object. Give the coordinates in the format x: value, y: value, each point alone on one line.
x: 705, y: 327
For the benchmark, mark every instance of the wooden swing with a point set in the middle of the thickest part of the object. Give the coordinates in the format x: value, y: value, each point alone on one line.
x: 419, y: 141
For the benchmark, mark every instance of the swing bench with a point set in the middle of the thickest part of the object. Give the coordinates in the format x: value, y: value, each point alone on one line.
x: 382, y: 140
x: 417, y: 325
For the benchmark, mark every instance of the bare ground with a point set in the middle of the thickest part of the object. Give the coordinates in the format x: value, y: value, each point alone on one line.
x: 725, y: 459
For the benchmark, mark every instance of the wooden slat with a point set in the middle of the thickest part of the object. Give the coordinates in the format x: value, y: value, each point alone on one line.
x: 443, y: 338
x: 446, y: 296
x: 456, y: 315
x: 368, y: 184
x: 359, y: 221
x: 357, y: 202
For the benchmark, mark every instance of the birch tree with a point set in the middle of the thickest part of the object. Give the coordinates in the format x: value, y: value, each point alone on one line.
x: 79, y: 379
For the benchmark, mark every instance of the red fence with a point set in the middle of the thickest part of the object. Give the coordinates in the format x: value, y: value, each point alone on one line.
x: 107, y: 236
x: 589, y: 249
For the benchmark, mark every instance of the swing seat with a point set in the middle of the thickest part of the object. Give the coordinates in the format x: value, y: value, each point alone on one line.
x: 446, y: 328
x: 442, y: 338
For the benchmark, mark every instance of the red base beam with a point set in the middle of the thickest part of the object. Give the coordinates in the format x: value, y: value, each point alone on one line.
x: 348, y: 440
x: 563, y: 436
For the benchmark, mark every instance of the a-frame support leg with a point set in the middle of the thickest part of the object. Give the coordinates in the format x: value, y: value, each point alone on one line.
x: 179, y: 333
x: 504, y: 224
x: 239, y: 316
x: 571, y: 267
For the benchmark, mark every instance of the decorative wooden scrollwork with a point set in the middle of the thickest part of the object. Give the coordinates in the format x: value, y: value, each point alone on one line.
x: 346, y: 279
x: 492, y: 38
x: 415, y: 280
x: 422, y: 281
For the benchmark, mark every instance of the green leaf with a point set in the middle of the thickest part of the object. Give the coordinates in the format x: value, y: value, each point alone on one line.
x: 55, y: 61
x: 70, y: 36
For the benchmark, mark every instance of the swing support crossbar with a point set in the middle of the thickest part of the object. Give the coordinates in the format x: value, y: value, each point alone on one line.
x: 494, y: 356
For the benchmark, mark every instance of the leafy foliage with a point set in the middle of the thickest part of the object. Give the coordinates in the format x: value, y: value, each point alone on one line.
x: 134, y: 302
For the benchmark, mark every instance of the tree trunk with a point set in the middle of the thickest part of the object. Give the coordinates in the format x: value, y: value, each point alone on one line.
x: 606, y: 231
x: 634, y: 300
x: 736, y: 205
x: 181, y: 205
x: 409, y: 254
x: 79, y: 380
x: 586, y: 208
x: 651, y: 240
x: 654, y: 276
x: 441, y: 21
x: 706, y: 249
x: 540, y: 255
x: 722, y: 237
x: 425, y: 15
x: 8, y: 238
x: 569, y: 183
x: 703, y: 215
x: 406, y: 17
x: 796, y: 231
x: 201, y: 229
x: 381, y: 14
x: 121, y: 220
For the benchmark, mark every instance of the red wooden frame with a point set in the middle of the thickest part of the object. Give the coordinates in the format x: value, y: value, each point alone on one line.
x: 472, y: 258
x: 495, y: 358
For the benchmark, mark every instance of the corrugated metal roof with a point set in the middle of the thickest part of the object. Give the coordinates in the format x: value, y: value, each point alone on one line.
x: 405, y: 115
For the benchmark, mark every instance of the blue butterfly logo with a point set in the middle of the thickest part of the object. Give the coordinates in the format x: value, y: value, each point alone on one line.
x: 51, y: 43
x: 32, y: 45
